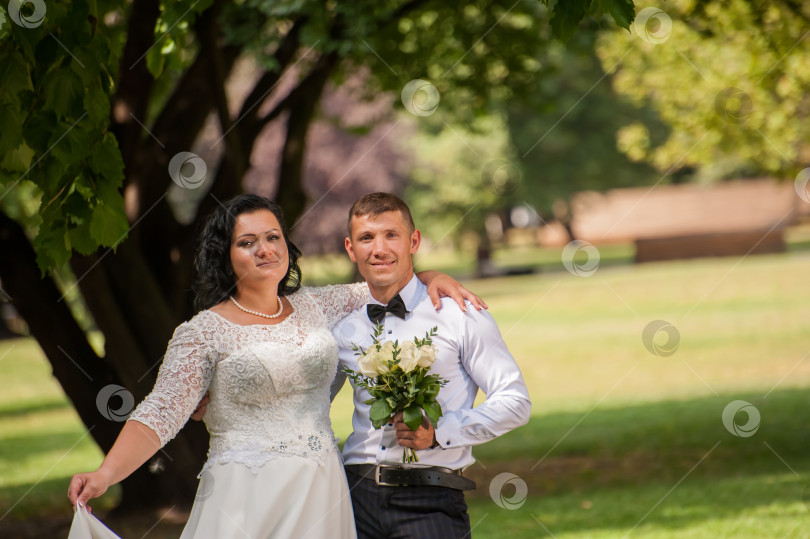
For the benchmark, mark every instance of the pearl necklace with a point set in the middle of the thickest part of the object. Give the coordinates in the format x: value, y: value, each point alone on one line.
x: 257, y: 313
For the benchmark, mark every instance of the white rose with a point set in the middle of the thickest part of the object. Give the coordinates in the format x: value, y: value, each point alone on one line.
x: 366, y: 364
x: 374, y: 362
x: 407, y: 356
x: 382, y: 356
x: 426, y: 355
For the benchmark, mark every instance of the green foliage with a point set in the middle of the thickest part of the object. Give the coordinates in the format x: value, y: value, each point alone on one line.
x: 58, y: 79
x: 55, y: 101
x: 55, y: 98
x: 731, y: 80
x: 476, y: 55
x: 567, y: 15
x: 552, y: 141
x: 564, y: 133
x: 461, y: 176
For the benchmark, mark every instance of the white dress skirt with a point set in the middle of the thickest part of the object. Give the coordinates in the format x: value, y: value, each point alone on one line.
x: 291, y: 497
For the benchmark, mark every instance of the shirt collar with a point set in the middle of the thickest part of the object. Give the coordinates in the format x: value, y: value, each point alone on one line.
x: 409, y: 293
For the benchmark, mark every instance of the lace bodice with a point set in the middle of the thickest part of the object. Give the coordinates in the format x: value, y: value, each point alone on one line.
x: 269, y: 384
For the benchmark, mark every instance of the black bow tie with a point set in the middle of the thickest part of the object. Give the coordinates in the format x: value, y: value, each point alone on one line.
x: 377, y: 312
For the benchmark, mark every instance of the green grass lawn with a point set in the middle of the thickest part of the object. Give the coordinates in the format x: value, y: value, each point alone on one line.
x: 622, y: 442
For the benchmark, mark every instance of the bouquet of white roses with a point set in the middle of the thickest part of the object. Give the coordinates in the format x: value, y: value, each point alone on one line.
x: 396, y: 376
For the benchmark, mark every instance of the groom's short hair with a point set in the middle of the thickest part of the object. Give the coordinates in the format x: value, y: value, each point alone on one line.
x: 378, y: 203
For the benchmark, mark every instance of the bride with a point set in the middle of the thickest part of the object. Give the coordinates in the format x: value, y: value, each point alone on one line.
x: 267, y: 358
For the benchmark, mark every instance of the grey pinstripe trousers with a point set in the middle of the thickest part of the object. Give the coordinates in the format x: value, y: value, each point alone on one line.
x: 407, y: 512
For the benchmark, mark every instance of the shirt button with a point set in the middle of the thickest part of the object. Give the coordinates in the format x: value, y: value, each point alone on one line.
x: 382, y: 447
x: 448, y: 442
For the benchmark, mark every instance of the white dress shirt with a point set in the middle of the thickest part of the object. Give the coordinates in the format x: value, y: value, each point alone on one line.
x: 471, y: 355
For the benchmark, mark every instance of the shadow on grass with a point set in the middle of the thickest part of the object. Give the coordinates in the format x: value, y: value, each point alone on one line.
x: 14, y: 409
x: 20, y: 448
x: 42, y: 510
x: 610, y: 469
x: 27, y: 500
x: 769, y: 506
x: 660, y: 428
x: 667, y: 465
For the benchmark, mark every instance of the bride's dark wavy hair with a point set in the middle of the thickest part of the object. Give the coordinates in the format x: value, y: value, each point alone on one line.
x: 215, y: 278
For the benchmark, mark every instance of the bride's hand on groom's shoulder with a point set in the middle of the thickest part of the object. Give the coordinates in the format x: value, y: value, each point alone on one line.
x: 86, y: 486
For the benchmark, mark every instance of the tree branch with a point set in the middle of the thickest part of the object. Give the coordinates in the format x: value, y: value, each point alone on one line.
x: 290, y: 194
x: 227, y: 182
x: 134, y: 80
x: 285, y: 53
x: 207, y: 31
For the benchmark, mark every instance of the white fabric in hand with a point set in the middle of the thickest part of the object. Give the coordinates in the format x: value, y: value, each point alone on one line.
x: 86, y: 526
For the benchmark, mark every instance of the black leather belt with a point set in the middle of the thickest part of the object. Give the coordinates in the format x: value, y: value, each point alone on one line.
x: 397, y: 476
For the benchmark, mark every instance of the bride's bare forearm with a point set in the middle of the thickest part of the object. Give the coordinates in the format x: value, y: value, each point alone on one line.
x: 134, y: 446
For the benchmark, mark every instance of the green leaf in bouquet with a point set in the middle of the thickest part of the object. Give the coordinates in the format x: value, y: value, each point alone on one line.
x: 380, y: 411
x: 369, y: 401
x: 434, y: 411
x: 412, y: 415
x: 429, y: 391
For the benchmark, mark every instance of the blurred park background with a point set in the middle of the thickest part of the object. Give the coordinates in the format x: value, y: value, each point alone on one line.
x: 625, y: 183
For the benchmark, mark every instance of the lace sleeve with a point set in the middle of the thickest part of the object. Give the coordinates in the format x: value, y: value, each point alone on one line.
x: 336, y: 301
x: 182, y: 380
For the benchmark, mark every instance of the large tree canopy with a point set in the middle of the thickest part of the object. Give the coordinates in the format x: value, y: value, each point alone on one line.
x: 101, y: 98
x: 731, y: 79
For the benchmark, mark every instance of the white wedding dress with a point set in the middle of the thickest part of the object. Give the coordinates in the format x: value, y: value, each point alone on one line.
x: 273, y: 469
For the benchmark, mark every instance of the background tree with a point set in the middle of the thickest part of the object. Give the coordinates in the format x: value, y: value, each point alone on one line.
x: 99, y: 96
x: 564, y: 134
x: 461, y: 177
x: 730, y: 79
x: 550, y: 134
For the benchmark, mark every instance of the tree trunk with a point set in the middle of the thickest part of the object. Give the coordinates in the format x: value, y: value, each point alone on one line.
x: 138, y: 294
x: 83, y: 374
x: 483, y: 256
x: 76, y: 366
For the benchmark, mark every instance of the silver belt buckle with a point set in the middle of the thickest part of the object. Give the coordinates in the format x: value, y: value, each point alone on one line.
x: 377, y: 476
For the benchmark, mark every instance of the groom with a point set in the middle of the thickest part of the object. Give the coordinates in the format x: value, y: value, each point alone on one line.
x: 424, y: 499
